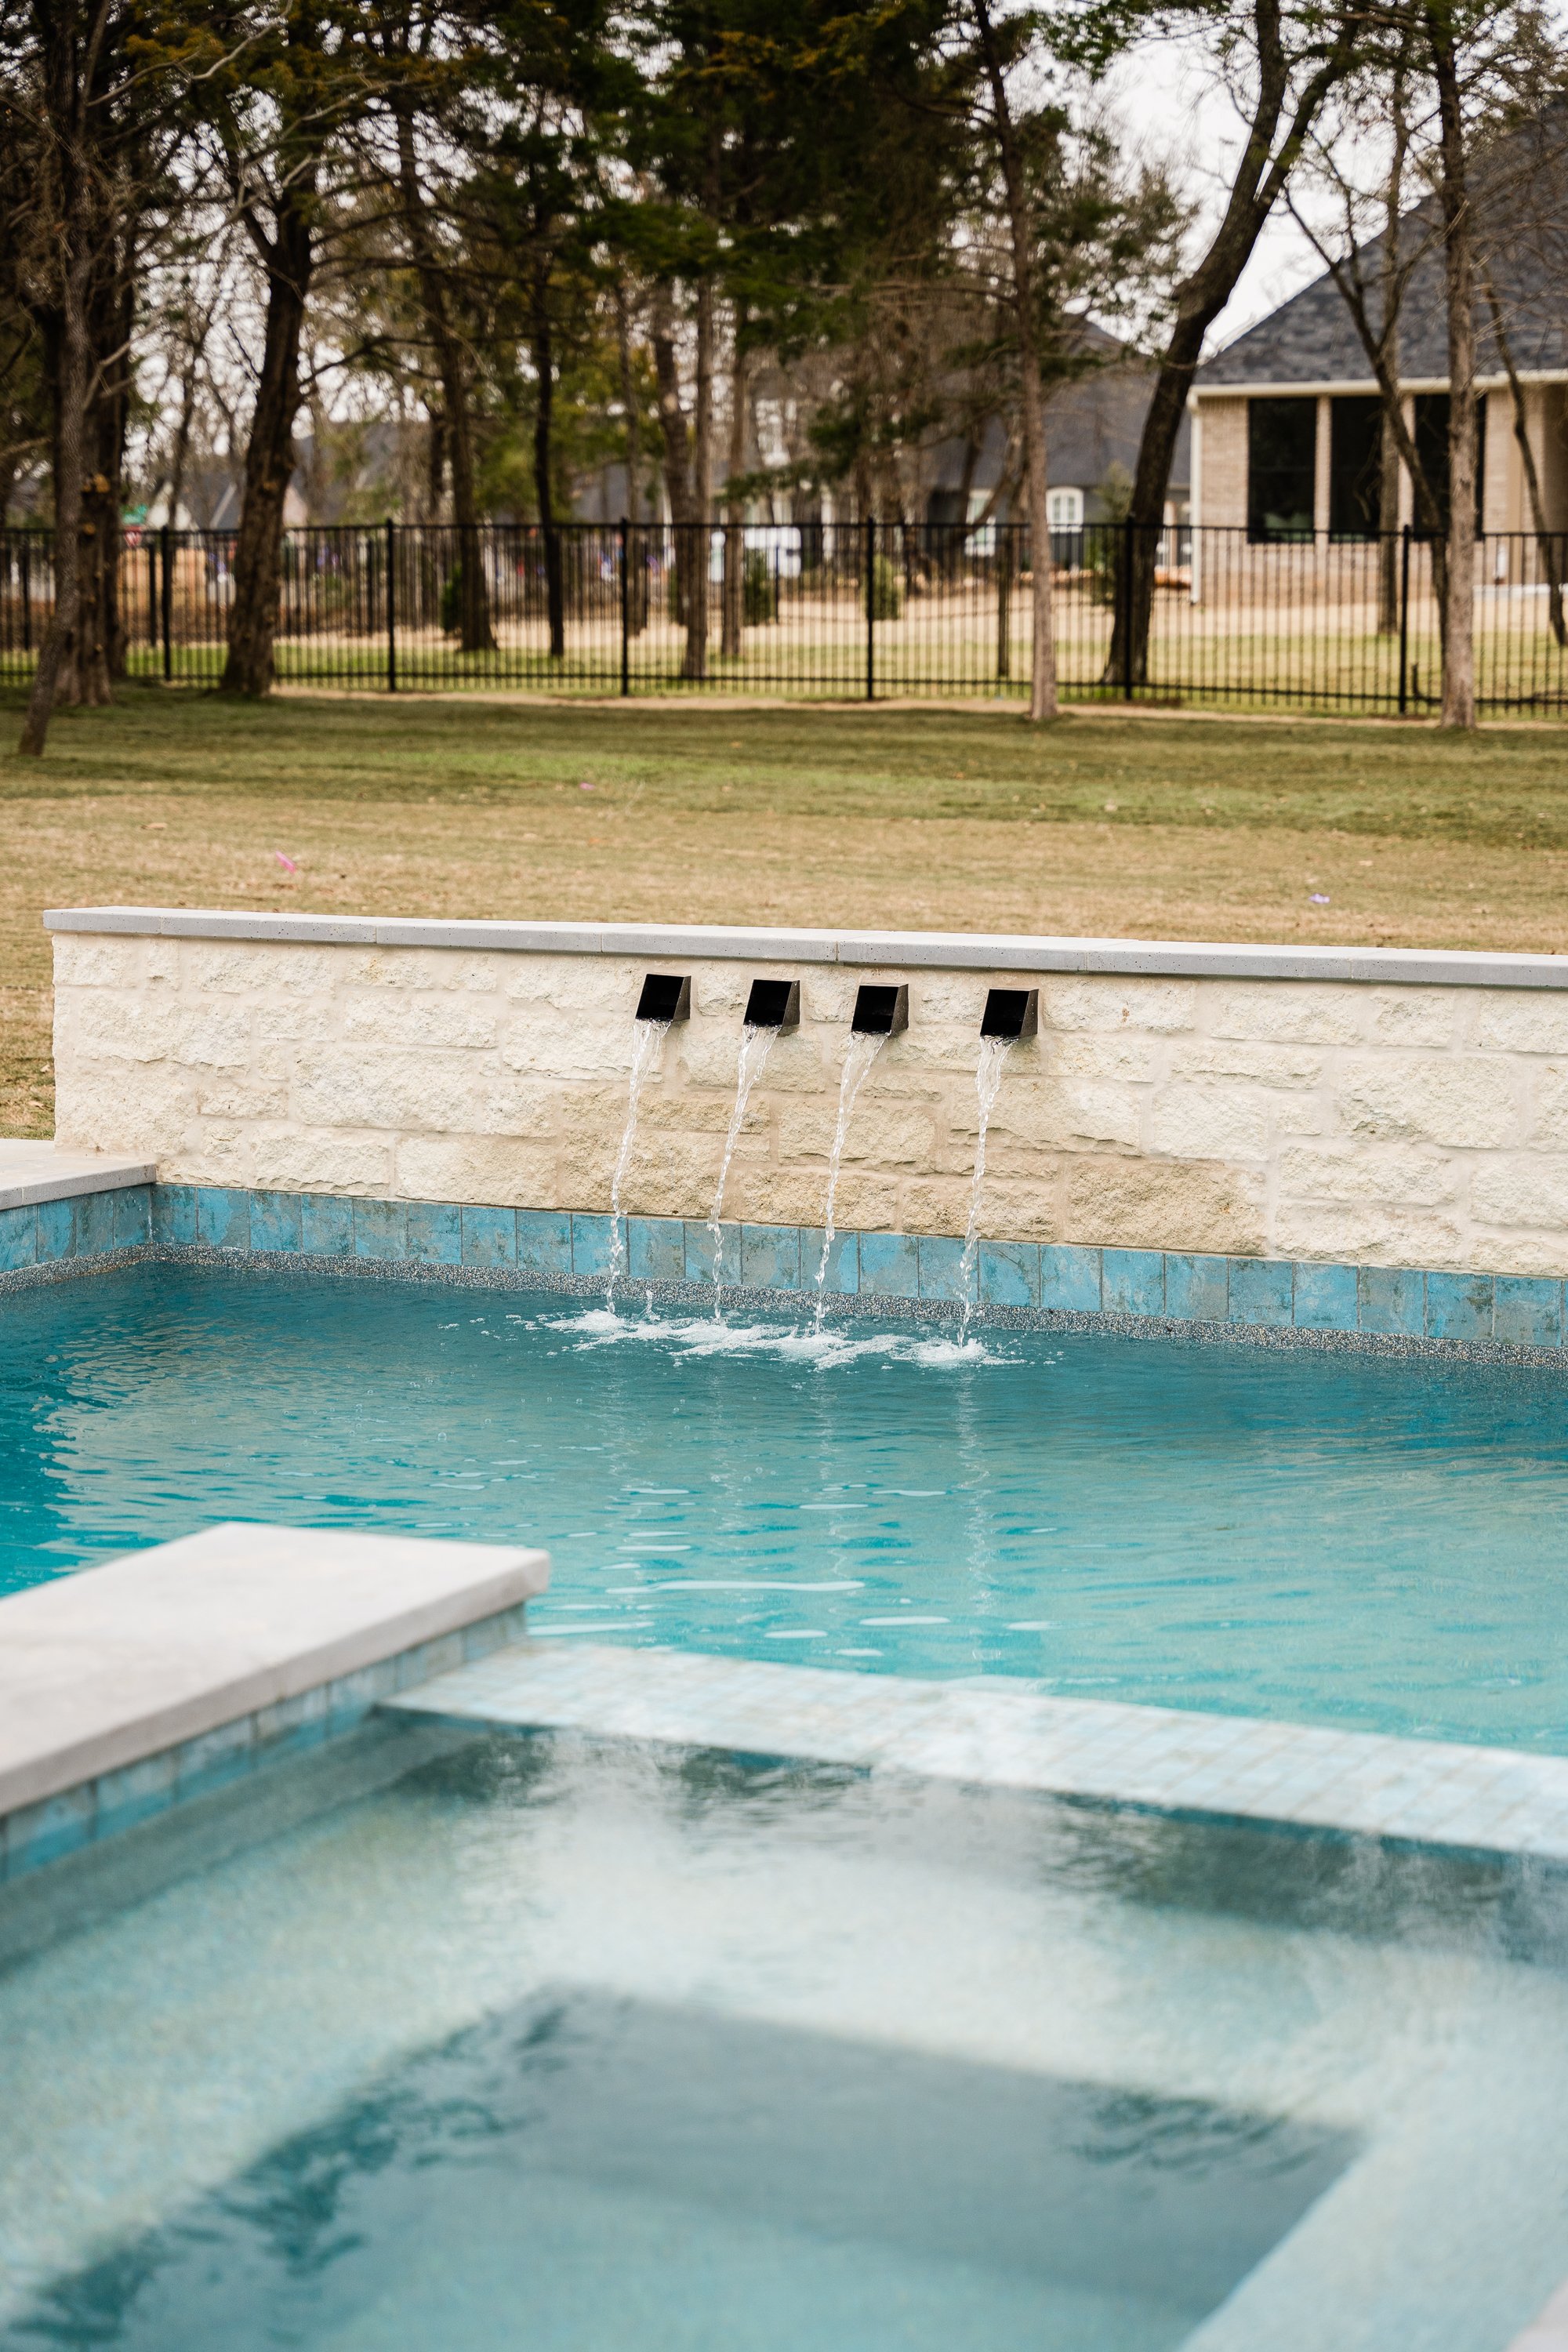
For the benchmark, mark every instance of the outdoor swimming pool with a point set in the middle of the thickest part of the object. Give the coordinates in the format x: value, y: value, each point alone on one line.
x: 1333, y: 1537
x: 435, y: 2040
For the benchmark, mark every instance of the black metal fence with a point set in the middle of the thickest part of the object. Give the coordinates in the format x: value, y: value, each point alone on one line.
x: 868, y: 610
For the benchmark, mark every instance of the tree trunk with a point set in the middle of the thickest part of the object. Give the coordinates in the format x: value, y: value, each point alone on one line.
x: 695, y: 663
x: 477, y: 636
x: 251, y: 668
x: 735, y: 509
x: 676, y: 447
x: 1020, y: 226
x: 1458, y: 281
x: 637, y: 554
x: 543, y: 459
x: 73, y: 377
x: 1260, y: 175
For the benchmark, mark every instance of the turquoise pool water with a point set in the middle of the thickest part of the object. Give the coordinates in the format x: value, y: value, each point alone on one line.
x: 1343, y: 1539
x: 427, y: 2043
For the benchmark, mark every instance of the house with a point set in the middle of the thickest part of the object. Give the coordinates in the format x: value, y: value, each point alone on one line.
x: 1286, y: 421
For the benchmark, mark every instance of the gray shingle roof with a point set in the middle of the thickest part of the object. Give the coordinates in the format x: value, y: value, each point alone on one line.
x: 1521, y: 234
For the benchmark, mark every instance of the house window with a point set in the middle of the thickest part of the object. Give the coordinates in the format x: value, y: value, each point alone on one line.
x: 1355, y: 467
x: 1282, y: 467
x: 1064, y: 509
x: 1431, y: 436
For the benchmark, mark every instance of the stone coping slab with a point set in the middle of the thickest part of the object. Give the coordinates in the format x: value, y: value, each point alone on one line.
x: 31, y: 1172
x: 1479, y: 1800
x: 1549, y: 2332
x: 945, y: 950
x: 113, y: 1664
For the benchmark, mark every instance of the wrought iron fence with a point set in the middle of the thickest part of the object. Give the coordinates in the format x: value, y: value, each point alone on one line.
x: 1316, y: 623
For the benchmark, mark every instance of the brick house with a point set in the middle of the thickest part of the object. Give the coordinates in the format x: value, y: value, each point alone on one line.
x: 1287, y: 420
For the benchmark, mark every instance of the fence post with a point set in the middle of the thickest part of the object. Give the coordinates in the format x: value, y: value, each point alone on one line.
x: 1127, y: 530
x: 870, y: 608
x: 391, y: 607
x: 1404, y: 621
x: 166, y: 601
x: 27, y: 594
x: 625, y: 607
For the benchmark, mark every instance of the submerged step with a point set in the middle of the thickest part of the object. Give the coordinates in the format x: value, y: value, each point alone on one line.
x: 1164, y: 1759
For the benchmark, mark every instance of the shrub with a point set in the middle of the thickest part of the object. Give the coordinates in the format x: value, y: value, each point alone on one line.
x: 887, y: 591
x: 759, y: 590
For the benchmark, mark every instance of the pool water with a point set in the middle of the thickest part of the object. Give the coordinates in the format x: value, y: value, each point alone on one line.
x: 470, y: 2043
x: 1374, y: 1542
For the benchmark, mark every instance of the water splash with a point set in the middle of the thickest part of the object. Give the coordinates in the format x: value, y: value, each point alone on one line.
x: 987, y: 1087
x: 756, y: 1045
x: 687, y: 1337
x: 863, y: 1050
x: 650, y: 1036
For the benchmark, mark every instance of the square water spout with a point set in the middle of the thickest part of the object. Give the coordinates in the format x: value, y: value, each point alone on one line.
x: 665, y: 996
x: 773, y: 1004
x: 1010, y: 1013
x: 882, y: 1012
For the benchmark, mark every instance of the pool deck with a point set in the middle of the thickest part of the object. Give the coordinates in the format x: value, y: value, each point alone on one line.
x: 32, y: 1171
x: 1484, y: 1800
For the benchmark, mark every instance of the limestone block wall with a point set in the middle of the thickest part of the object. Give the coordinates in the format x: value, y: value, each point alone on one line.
x: 1378, y: 1107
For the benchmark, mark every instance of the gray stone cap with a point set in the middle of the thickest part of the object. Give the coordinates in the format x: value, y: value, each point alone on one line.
x: 101, y: 1668
x: 939, y: 950
x: 32, y: 1171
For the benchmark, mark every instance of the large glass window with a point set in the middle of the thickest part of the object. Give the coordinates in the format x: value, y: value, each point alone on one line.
x: 1355, y: 467
x: 1432, y: 448
x: 1282, y: 467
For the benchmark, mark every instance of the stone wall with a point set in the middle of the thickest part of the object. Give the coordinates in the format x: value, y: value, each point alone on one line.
x: 1351, y: 1120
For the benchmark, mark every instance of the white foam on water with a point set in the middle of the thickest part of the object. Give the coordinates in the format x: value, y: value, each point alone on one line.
x: 823, y: 1350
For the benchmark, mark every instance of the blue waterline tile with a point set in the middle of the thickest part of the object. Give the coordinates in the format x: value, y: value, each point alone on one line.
x: 770, y: 1257
x: 1261, y: 1290
x: 174, y: 1215
x: 942, y: 1273
x: 543, y: 1241
x: 223, y: 1217
x: 890, y: 1266
x: 1197, y: 1289
x: 696, y: 1251
x: 489, y: 1236
x: 1325, y: 1297
x: 1009, y: 1274
x: 843, y: 1277
x: 18, y: 1239
x: 381, y: 1228
x: 214, y: 1757
x: 326, y: 1225
x: 656, y: 1249
x: 1069, y: 1278
x: 1527, y: 1311
x: 134, y: 1794
x: 56, y: 1230
x: 1392, y: 1298
x: 94, y: 1224
x: 132, y: 1216
x: 40, y: 1834
x: 1459, y: 1306
x: 433, y: 1232
x: 274, y: 1220
x: 1133, y: 1282
x: 590, y: 1243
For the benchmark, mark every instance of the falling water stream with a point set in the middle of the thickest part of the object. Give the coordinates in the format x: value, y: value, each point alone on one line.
x: 864, y: 1046
x: 650, y: 1036
x: 756, y: 1044
x: 987, y: 1085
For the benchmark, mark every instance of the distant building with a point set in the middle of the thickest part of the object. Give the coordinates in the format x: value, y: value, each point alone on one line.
x: 1286, y: 421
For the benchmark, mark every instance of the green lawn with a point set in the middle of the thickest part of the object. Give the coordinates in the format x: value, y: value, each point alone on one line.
x: 933, y: 817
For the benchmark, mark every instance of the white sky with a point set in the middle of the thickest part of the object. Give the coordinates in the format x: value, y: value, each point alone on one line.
x: 1167, y: 98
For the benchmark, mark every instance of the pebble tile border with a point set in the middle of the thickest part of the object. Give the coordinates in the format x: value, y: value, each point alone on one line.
x: 1427, y: 1793
x: 94, y: 1809
x: 1052, y: 1284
